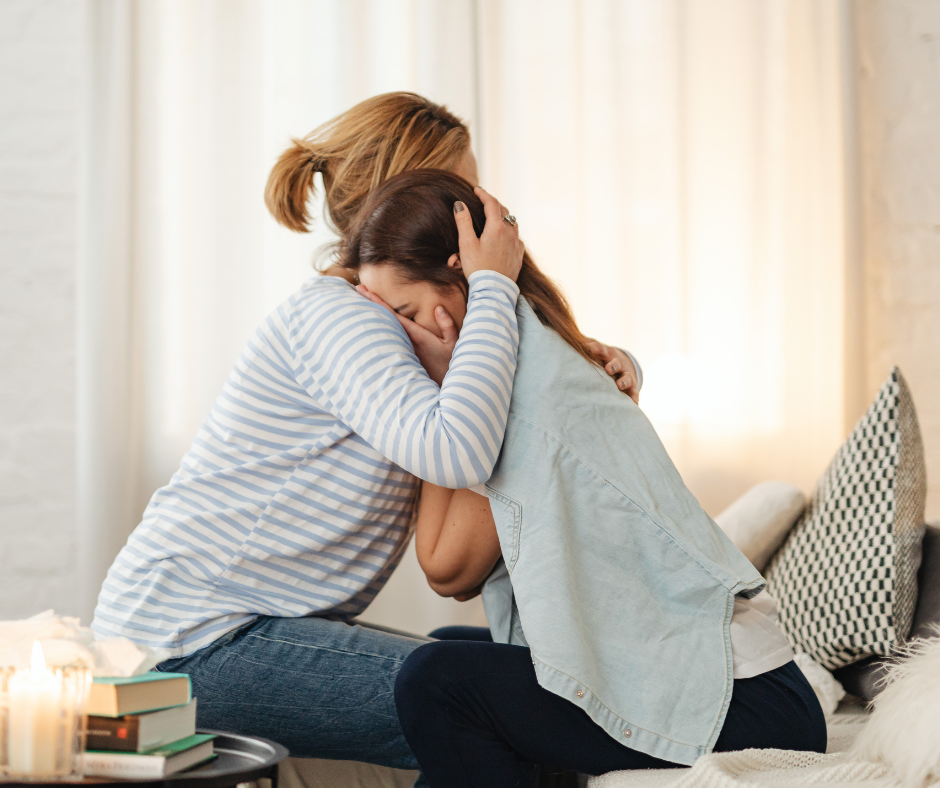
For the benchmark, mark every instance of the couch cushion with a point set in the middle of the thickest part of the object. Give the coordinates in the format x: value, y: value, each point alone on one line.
x: 760, y: 520
x: 845, y: 580
x: 927, y: 615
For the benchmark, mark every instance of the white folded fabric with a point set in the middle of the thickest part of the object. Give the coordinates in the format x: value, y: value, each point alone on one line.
x: 64, y: 641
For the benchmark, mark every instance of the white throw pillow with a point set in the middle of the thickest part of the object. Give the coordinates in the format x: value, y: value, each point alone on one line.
x: 760, y: 520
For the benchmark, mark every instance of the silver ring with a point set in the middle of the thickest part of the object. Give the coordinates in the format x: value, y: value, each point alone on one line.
x: 510, y: 219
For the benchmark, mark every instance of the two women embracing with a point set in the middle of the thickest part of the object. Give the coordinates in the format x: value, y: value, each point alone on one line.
x: 434, y: 383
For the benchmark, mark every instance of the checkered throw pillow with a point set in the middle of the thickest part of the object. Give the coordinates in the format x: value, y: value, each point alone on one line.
x: 845, y: 580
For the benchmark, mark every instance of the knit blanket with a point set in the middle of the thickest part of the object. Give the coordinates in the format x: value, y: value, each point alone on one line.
x: 757, y: 769
x: 769, y: 768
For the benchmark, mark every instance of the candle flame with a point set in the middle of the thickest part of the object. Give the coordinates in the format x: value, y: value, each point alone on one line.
x: 39, y: 659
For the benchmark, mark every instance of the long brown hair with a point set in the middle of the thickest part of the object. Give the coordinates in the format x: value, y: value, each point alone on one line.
x: 409, y: 222
x: 358, y: 150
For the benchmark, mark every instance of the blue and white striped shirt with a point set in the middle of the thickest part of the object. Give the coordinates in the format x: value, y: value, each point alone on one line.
x: 297, y: 494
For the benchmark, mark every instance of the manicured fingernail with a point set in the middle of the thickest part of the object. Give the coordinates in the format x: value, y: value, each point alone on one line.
x: 621, y: 384
x: 458, y: 206
x: 615, y: 367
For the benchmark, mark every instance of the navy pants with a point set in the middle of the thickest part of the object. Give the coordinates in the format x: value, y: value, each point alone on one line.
x: 474, y: 714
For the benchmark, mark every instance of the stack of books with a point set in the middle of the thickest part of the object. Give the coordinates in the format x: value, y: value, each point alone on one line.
x: 143, y: 727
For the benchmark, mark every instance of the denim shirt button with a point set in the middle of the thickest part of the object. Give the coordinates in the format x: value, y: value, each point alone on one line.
x: 627, y: 733
x: 580, y: 693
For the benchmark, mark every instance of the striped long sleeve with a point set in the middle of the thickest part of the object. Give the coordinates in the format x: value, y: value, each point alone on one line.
x: 361, y: 364
x: 296, y: 495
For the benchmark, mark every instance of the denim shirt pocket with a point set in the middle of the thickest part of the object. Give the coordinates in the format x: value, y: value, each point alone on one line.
x: 511, y: 515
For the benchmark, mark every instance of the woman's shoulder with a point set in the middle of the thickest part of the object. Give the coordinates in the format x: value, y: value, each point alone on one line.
x: 330, y: 303
x: 319, y: 295
x: 325, y: 288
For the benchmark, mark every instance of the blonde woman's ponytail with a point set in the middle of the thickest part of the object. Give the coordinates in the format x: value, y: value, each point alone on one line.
x: 358, y: 150
x: 290, y: 186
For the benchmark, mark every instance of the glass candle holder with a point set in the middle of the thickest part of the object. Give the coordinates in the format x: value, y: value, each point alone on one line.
x: 42, y: 722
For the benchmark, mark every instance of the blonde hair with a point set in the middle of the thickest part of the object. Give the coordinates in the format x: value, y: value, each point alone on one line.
x: 357, y: 151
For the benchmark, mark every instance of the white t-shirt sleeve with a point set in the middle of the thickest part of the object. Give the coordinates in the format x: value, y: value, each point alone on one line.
x: 757, y: 643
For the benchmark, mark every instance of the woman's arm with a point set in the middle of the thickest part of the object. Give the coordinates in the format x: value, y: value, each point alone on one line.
x: 343, y: 353
x: 354, y: 358
x: 456, y: 539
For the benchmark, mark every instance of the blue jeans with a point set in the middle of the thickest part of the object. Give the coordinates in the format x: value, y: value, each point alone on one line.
x: 475, y: 715
x: 323, y: 689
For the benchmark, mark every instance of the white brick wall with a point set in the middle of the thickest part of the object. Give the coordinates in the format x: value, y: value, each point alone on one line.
x: 899, y: 124
x: 40, y: 71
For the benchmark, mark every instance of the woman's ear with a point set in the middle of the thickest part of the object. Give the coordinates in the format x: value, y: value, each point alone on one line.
x: 454, y: 262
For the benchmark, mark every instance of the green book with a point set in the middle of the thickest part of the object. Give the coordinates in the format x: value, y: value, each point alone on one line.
x: 141, y: 732
x: 165, y: 760
x: 119, y: 695
x: 153, y: 675
x: 165, y: 750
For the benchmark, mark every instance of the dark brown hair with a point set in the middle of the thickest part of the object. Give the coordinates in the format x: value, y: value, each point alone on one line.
x: 409, y: 222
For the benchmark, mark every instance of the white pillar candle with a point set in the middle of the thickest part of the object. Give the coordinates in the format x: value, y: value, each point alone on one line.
x: 35, y: 716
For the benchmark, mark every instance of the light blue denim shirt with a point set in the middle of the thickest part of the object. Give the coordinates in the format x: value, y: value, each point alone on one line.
x: 619, y: 582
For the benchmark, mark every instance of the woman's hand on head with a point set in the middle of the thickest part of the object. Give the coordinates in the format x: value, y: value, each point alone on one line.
x: 433, y: 352
x: 618, y: 365
x: 498, y: 249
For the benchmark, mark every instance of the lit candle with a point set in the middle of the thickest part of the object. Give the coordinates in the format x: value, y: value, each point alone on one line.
x: 36, y: 709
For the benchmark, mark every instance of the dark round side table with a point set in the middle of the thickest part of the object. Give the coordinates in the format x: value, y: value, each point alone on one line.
x: 240, y: 759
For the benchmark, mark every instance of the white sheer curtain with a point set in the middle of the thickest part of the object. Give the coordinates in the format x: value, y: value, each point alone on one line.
x: 191, y: 102
x: 676, y: 165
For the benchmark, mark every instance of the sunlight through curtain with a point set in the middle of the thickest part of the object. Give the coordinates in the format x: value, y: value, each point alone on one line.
x: 215, y: 91
x: 677, y: 166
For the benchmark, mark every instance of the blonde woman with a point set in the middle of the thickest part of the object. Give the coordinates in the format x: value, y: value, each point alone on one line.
x: 292, y: 508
